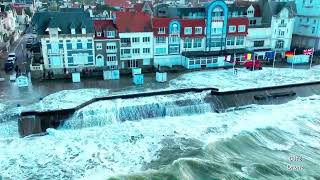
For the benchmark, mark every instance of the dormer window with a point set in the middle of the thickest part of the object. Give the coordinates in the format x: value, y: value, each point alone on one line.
x: 99, y: 34
x: 83, y: 30
x: 73, y: 31
x: 110, y: 34
x: 161, y: 30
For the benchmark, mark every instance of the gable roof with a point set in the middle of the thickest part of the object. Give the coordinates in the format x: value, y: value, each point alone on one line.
x: 276, y: 8
x: 62, y: 20
x: 100, y: 25
x: 133, y: 22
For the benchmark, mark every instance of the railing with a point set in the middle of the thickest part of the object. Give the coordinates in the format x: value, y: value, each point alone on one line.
x: 112, y: 63
x: 123, y: 44
x: 283, y: 25
x: 37, y: 67
x: 125, y: 55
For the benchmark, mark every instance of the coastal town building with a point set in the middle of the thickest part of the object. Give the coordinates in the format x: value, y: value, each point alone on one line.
x: 67, y: 40
x: 307, y: 25
x: 107, y: 45
x: 136, y: 40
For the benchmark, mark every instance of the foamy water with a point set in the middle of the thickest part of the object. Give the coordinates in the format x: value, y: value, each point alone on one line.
x: 122, y: 148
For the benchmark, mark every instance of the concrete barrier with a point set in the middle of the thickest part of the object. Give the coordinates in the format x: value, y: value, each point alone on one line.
x: 220, y: 102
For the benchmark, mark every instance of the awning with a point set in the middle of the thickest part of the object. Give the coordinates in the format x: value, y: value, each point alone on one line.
x: 194, y: 54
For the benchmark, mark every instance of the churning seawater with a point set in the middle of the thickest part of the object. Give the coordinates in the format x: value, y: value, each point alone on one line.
x: 257, y: 142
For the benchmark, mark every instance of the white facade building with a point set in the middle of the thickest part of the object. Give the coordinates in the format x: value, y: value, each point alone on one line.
x: 136, y: 49
x: 282, y: 26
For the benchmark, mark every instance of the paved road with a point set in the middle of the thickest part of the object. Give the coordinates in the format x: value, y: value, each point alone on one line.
x: 18, y: 47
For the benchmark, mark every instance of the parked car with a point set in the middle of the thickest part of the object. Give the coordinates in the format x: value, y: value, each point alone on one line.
x: 12, y: 56
x: 8, y: 66
x: 252, y: 65
x: 29, y: 43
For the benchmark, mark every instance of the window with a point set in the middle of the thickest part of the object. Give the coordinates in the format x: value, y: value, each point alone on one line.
x: 313, y: 30
x: 135, y: 40
x: 73, y: 31
x: 187, y: 43
x: 111, y: 47
x: 279, y: 44
x: 111, y: 34
x: 216, y: 42
x: 242, y: 28
x: 240, y: 41
x: 281, y: 33
x: 188, y: 30
x: 198, y: 30
x: 99, y: 34
x: 197, y: 43
x: 174, y: 50
x: 79, y: 45
x: 258, y: 43
x: 125, y: 51
x: 216, y: 30
x: 125, y: 41
x: 146, y: 39
x: 231, y: 41
x: 89, y: 45
x: 136, y: 51
x: 175, y: 29
x: 132, y: 63
x: 253, y: 22
x: 160, y: 51
x: 160, y: 40
x: 232, y: 29
x: 111, y: 58
x: 161, y: 30
x: 99, y: 46
x: 174, y: 39
x: 146, y: 50
x: 282, y: 22
x: 307, y: 19
x: 83, y: 31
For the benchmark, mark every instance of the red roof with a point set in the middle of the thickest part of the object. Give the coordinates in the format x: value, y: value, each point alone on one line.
x: 164, y: 22
x: 100, y: 25
x: 133, y: 22
x: 117, y: 3
x: 192, y: 23
x: 236, y: 21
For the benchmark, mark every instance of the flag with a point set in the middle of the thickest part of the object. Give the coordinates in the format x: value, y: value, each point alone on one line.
x: 289, y: 54
x: 248, y: 56
x: 308, y: 51
x: 229, y: 58
x: 270, y: 54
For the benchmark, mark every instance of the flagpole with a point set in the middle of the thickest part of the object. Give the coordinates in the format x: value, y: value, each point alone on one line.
x: 274, y: 59
x: 294, y: 54
x: 234, y: 63
x: 312, y: 57
x: 254, y: 61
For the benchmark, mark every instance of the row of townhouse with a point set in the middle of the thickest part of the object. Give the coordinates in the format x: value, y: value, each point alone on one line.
x: 192, y: 37
x: 13, y: 22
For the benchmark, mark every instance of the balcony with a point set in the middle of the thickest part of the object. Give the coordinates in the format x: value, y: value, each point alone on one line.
x: 125, y: 56
x: 125, y: 44
x: 283, y: 25
x: 54, y: 52
x: 112, y: 63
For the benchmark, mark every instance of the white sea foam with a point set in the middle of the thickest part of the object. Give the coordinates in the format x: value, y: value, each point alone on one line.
x: 121, y: 148
x: 67, y: 99
x: 225, y: 80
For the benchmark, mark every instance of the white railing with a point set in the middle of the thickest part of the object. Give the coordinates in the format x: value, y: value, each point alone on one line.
x: 36, y: 67
x: 112, y: 63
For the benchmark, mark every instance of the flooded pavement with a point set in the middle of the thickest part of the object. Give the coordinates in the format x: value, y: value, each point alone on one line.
x: 12, y: 95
